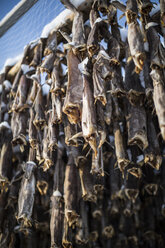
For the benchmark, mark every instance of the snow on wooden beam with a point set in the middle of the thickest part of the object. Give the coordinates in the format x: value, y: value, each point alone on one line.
x: 12, y: 17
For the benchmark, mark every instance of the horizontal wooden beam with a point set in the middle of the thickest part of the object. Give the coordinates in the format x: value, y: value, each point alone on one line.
x: 12, y: 17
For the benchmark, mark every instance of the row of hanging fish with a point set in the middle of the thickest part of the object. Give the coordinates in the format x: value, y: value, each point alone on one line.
x: 82, y: 130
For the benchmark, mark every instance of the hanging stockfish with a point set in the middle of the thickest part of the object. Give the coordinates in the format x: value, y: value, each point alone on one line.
x: 101, y: 71
x: 57, y: 201
x: 19, y: 103
x: 53, y: 132
x: 96, y: 33
x: 56, y: 221
x: 152, y: 153
x: 47, y: 64
x: 46, y: 153
x: 157, y: 51
x: 82, y: 231
x: 73, y: 101
x: 158, y: 97
x: 39, y: 119
x: 136, y: 115
x: 162, y: 13
x: 86, y: 179
x: 34, y: 88
x: 71, y: 133
x: 131, y: 11
x: 144, y: 6
x: 67, y: 235
x: 71, y: 189
x: 5, y: 155
x: 135, y: 39
x: 51, y: 44
x: 38, y: 52
x: 56, y: 78
x: 18, y: 126
x: 78, y: 34
x: 121, y: 154
x: 89, y: 126
x: 26, y: 194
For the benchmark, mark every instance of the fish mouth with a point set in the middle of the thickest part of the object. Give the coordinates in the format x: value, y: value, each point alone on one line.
x: 72, y: 217
x: 132, y: 194
x: 108, y: 232
x: 74, y: 113
x: 139, y: 139
x: 146, y: 8
x: 130, y: 16
x: 92, y: 49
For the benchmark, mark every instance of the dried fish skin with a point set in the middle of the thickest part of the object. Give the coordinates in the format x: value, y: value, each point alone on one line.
x: 94, y: 37
x: 16, y: 83
x: 53, y: 131
x: 73, y: 100
x: 135, y: 41
x: 88, y: 193
x: 46, y: 153
x: 162, y: 12
x: 26, y: 195
x: 122, y: 158
x: 108, y: 109
x: 47, y: 64
x: 19, y: 133
x: 56, y: 108
x: 71, y: 194
x: 38, y: 51
x: 157, y: 51
x: 35, y: 85
x: 116, y: 84
x: 70, y: 131
x: 101, y: 127
x: 56, y: 220
x: 33, y: 136
x: 89, y: 126
x: 56, y: 78
x: 19, y: 103
x: 103, y: 6
x: 131, y: 11
x: 144, y: 6
x: 51, y: 44
x: 152, y: 153
x: 78, y: 34
x: 113, y: 50
x: 97, y: 163
x: 6, y: 158
x: 67, y: 235
x: 39, y: 120
x: 101, y: 71
x: 159, y: 97
x: 137, y: 127
x: 94, y: 14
